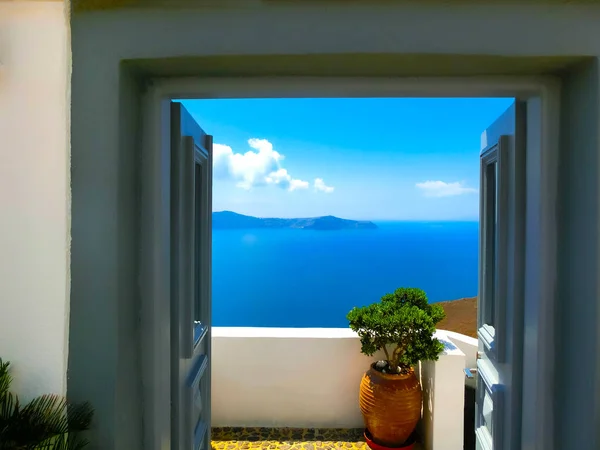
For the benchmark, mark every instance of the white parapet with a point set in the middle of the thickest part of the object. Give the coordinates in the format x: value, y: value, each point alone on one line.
x: 443, y: 383
x: 309, y: 377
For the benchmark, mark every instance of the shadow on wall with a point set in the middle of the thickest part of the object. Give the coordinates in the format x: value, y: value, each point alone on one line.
x: 427, y: 415
x: 425, y: 428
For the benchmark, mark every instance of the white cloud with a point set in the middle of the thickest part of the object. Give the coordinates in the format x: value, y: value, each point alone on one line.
x: 283, y: 179
x: 443, y: 189
x: 298, y: 184
x: 320, y: 186
x: 258, y: 167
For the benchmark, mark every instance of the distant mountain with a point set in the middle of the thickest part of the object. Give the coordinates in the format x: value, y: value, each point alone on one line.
x: 228, y: 220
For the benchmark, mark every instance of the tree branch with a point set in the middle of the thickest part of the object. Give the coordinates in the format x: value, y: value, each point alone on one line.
x: 397, y: 354
x: 387, y: 354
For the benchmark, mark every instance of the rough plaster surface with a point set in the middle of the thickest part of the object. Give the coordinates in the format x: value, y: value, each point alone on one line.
x: 34, y: 194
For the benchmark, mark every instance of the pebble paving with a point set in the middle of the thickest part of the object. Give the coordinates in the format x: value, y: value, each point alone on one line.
x: 287, y: 439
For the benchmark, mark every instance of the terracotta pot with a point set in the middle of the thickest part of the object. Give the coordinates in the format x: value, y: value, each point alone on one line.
x: 391, y: 405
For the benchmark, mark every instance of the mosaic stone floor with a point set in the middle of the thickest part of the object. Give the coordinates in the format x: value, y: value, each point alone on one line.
x: 288, y: 439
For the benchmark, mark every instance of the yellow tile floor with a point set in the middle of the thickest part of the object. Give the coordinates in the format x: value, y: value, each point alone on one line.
x: 288, y: 439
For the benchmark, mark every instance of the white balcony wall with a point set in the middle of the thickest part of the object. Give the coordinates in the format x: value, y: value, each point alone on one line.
x: 34, y: 194
x: 309, y: 377
x: 465, y: 344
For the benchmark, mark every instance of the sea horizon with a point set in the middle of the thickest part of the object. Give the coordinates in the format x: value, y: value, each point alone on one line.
x: 345, y: 217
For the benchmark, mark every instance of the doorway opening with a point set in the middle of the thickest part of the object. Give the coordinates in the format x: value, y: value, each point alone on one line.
x: 159, y: 111
x: 297, y: 197
x: 301, y: 206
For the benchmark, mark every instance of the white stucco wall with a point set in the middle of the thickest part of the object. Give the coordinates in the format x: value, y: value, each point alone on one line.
x: 34, y: 194
x: 467, y: 345
x: 310, y: 377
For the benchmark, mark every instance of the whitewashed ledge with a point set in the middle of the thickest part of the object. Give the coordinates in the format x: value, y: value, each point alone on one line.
x: 309, y: 378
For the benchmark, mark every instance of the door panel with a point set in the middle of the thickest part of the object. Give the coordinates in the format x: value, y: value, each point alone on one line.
x: 191, y: 206
x: 501, y: 275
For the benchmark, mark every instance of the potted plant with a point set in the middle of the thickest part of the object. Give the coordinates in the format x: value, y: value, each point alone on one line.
x: 402, y: 325
x: 47, y: 422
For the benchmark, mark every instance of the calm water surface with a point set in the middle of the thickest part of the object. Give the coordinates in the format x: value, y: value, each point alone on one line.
x: 301, y: 278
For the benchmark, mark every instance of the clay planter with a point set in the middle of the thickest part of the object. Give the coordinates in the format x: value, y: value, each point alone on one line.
x: 391, y: 406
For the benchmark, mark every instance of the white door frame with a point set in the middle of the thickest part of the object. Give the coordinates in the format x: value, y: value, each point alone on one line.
x: 543, y: 101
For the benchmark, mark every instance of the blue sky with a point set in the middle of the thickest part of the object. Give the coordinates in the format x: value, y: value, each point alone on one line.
x: 369, y: 159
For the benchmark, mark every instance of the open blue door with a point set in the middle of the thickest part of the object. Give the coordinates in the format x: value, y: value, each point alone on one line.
x: 191, y: 213
x: 501, y: 282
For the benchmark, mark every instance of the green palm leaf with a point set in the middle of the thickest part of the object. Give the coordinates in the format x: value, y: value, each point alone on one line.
x: 48, y: 422
x: 5, y: 378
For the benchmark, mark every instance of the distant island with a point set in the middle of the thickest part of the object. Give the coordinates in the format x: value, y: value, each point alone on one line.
x: 228, y: 220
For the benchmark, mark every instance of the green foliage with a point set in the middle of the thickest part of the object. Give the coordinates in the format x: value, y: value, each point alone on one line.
x: 402, y: 324
x: 47, y: 422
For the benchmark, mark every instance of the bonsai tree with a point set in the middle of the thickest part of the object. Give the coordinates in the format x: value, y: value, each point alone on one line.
x: 47, y: 422
x: 402, y: 324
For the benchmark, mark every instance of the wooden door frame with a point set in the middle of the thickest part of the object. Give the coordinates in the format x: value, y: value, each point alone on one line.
x: 543, y: 99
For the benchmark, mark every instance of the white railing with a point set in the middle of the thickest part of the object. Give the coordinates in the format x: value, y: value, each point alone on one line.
x: 309, y: 377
